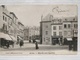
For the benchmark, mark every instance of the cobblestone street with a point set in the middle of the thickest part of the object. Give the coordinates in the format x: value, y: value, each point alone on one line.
x: 30, y: 47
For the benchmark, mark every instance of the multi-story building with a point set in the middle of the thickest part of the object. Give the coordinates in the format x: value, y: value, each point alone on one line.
x: 34, y: 32
x: 13, y: 26
x: 45, y: 29
x: 21, y: 30
x: 56, y: 30
x: 9, y: 23
x: 70, y: 27
x: 26, y: 33
x: 52, y: 29
x: 4, y: 17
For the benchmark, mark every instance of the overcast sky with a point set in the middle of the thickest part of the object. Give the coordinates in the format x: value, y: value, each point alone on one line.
x: 30, y: 15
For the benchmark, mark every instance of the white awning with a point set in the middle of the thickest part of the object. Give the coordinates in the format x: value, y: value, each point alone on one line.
x: 5, y: 36
x: 69, y: 39
x: 20, y: 38
x: 13, y: 38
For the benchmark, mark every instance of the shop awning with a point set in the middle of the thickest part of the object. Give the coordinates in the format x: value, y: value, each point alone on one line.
x: 69, y: 39
x: 5, y: 36
x: 13, y: 38
x: 20, y: 38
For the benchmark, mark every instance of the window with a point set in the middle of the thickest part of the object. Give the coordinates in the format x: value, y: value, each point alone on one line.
x: 65, y: 26
x: 75, y: 25
x: 54, y: 33
x: 60, y: 27
x: 54, y: 27
x: 46, y: 32
x: 3, y: 17
x: 60, y: 33
x: 68, y: 25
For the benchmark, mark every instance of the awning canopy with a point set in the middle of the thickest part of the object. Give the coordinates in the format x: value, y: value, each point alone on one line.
x: 13, y: 38
x: 5, y: 36
x: 20, y: 38
x: 69, y: 39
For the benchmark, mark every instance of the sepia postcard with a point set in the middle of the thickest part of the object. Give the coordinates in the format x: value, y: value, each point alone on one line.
x: 39, y: 29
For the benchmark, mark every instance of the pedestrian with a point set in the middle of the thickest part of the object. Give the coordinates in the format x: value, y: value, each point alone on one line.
x: 21, y: 43
x: 59, y: 41
x: 36, y: 45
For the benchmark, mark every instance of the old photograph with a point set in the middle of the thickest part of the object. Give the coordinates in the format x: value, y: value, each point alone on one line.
x: 38, y: 29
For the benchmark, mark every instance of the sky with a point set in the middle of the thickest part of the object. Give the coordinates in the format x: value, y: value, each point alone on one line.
x: 30, y: 15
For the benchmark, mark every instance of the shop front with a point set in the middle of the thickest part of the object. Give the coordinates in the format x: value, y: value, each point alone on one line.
x: 57, y: 40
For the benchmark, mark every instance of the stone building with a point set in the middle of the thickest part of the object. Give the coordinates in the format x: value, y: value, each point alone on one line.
x: 4, y: 16
x: 21, y: 30
x: 9, y: 22
x: 45, y: 29
x: 70, y: 27
x: 54, y: 29
x: 26, y: 33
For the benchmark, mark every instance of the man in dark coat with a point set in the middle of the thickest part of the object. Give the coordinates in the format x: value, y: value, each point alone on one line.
x: 36, y: 45
x: 21, y: 43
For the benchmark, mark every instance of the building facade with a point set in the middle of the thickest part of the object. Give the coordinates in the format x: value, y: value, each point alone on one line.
x: 70, y: 27
x: 45, y: 29
x: 21, y: 30
x: 9, y: 22
x: 55, y: 30
x: 26, y: 33
x: 4, y: 16
x: 34, y: 33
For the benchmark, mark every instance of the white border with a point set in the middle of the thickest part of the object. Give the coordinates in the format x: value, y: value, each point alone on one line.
x: 46, y: 57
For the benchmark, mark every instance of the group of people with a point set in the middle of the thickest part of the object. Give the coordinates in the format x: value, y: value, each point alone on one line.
x: 6, y: 43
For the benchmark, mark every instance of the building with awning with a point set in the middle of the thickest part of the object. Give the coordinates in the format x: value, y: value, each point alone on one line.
x: 69, y: 39
x: 7, y: 37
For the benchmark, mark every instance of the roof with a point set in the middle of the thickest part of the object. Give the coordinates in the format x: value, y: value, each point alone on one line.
x: 20, y: 23
x: 48, y: 17
x: 13, y: 14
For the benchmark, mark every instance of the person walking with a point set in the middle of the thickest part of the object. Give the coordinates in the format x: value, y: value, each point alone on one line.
x: 36, y: 45
x: 21, y: 43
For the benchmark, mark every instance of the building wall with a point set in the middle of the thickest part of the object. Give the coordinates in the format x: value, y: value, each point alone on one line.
x: 1, y: 18
x: 71, y: 31
x: 46, y: 32
x: 21, y: 30
x: 8, y: 22
x: 33, y: 31
x: 57, y: 30
x: 4, y: 16
x: 26, y: 33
